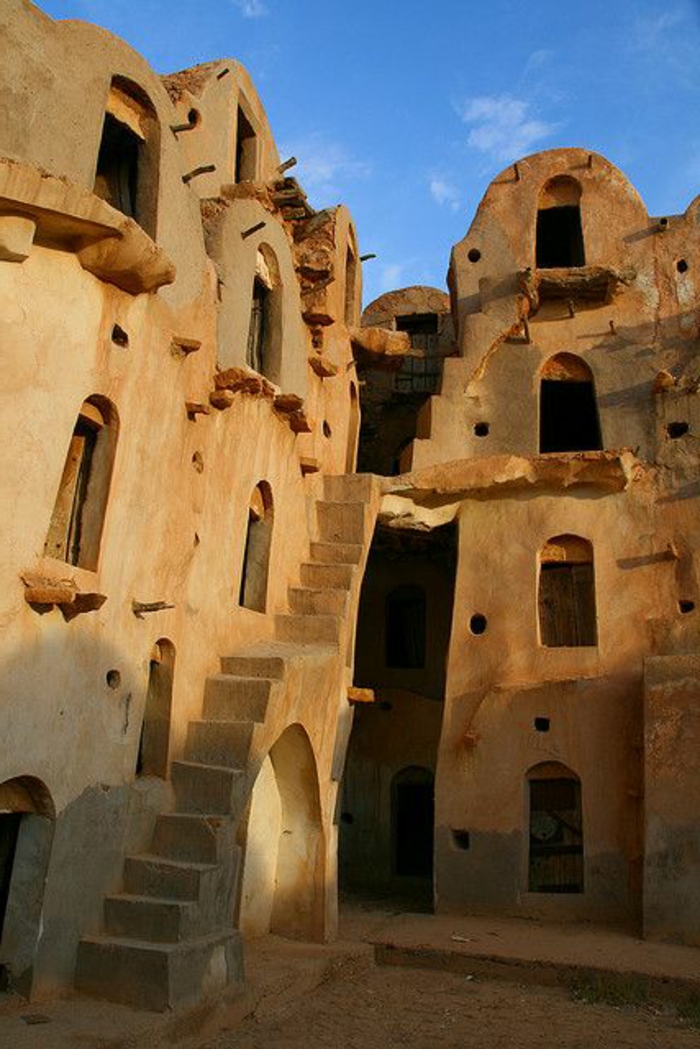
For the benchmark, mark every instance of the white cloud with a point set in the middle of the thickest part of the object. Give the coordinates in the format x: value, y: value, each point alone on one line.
x: 444, y: 192
x: 502, y: 126
x: 324, y: 166
x: 251, y: 8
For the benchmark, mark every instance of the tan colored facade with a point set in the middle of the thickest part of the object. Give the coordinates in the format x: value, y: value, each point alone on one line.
x: 186, y: 542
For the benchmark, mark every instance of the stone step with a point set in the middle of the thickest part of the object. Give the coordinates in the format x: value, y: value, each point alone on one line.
x: 150, y: 875
x: 150, y: 918
x: 349, y: 487
x: 341, y: 522
x: 229, y: 697
x: 158, y: 976
x: 208, y: 789
x: 190, y: 837
x: 336, y: 553
x: 305, y: 601
x: 245, y: 665
x: 308, y: 629
x: 224, y: 743
x: 327, y: 577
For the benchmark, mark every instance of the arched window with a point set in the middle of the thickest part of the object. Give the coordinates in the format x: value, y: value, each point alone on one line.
x: 246, y: 152
x: 256, y: 558
x: 405, y: 627
x: 264, y: 352
x: 81, y: 502
x: 568, y: 410
x: 350, y: 283
x: 127, y: 169
x: 555, y: 860
x: 154, y: 743
x: 413, y: 816
x: 559, y: 232
x: 566, y: 600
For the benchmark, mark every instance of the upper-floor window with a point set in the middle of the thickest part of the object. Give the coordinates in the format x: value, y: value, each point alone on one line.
x: 350, y: 283
x: 566, y: 600
x: 126, y: 174
x: 568, y: 410
x: 559, y: 231
x: 258, y: 544
x: 265, y: 328
x: 81, y: 502
x: 246, y: 153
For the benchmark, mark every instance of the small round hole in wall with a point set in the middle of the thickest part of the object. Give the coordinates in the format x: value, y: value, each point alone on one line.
x: 460, y: 839
x: 682, y: 266
x: 541, y: 724
x: 113, y: 678
x: 478, y: 624
x: 473, y: 254
x: 194, y: 117
x: 481, y: 429
x: 686, y: 606
x: 198, y: 461
x: 676, y: 430
x: 326, y: 429
x: 120, y: 337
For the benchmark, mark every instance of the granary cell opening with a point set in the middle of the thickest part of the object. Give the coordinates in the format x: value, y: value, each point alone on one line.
x: 555, y: 839
x: 559, y: 234
x: 79, y: 510
x: 350, y: 285
x: 127, y: 170
x: 154, y: 742
x: 246, y: 149
x: 569, y: 419
x: 264, y: 348
x: 566, y: 599
x: 258, y: 544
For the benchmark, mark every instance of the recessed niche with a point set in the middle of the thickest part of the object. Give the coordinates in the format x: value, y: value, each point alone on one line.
x: 194, y: 117
x: 478, y: 624
x: 473, y: 254
x: 541, y: 724
x: 481, y: 429
x: 686, y: 606
x: 460, y: 839
x: 676, y: 430
x: 120, y: 337
x: 198, y: 461
x: 113, y: 678
x: 682, y: 266
x: 326, y: 429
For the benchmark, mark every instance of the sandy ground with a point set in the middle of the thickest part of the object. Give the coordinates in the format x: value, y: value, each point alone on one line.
x: 387, y: 1007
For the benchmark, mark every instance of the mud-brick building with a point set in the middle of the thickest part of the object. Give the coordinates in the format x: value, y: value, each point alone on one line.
x: 528, y: 621
x: 469, y: 671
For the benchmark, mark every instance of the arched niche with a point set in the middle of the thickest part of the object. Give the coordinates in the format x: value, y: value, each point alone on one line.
x: 283, y: 882
x: 559, y: 232
x: 555, y: 829
x: 154, y: 742
x: 128, y: 160
x: 412, y: 821
x: 568, y: 408
x: 27, y: 821
x: 78, y: 516
x: 264, y: 346
x: 566, y: 593
x: 258, y: 546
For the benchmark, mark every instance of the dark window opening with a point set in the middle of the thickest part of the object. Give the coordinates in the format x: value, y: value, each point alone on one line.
x: 422, y: 328
x: 567, y: 604
x: 120, y: 337
x: 559, y: 237
x: 568, y: 417
x: 541, y: 724
x: 154, y: 742
x: 9, y: 833
x: 676, y: 430
x: 686, y: 606
x: 256, y: 556
x: 245, y: 160
x: 405, y: 628
x: 481, y: 429
x: 413, y: 803
x: 556, y: 836
x: 259, y: 325
x: 117, y: 175
x: 461, y: 839
x: 350, y: 278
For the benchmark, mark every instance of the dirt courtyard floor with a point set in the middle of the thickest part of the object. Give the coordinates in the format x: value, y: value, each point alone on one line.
x: 373, y: 1008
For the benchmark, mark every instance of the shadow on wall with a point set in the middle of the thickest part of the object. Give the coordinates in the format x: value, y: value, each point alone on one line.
x: 282, y: 888
x: 82, y: 708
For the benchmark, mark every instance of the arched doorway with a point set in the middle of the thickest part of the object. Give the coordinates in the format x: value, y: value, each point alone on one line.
x: 412, y: 820
x: 568, y: 409
x: 283, y: 882
x: 555, y: 852
x: 27, y: 819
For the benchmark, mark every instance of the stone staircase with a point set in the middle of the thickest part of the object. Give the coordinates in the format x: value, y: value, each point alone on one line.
x: 168, y: 939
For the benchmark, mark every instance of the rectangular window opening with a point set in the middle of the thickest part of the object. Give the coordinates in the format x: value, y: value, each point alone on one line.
x: 116, y: 178
x: 246, y: 158
x: 559, y: 237
x: 567, y: 605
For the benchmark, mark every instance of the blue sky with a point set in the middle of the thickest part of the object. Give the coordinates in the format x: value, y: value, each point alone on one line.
x: 405, y: 111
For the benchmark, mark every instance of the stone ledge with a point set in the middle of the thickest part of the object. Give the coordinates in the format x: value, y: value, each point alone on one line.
x: 107, y: 243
